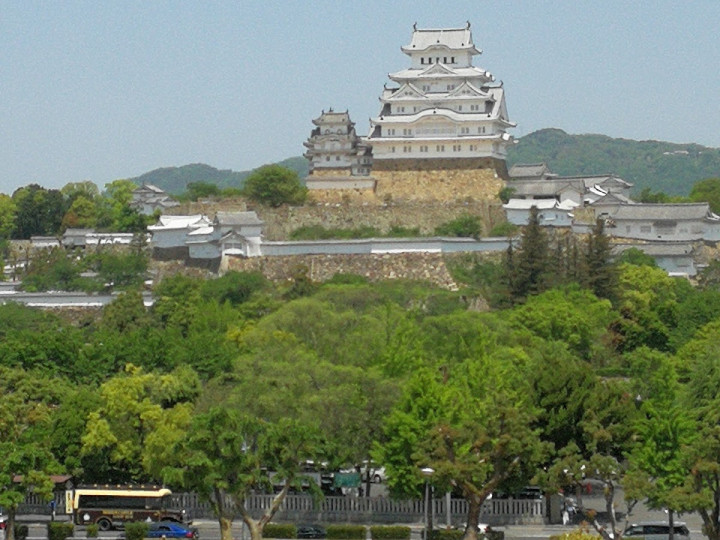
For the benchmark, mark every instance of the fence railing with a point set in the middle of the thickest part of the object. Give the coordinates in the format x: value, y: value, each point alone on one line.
x: 297, y: 508
x: 377, y: 509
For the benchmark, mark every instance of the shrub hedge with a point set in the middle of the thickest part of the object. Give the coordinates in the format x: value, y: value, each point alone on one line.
x: 395, y: 532
x: 280, y: 530
x: 59, y: 531
x: 346, y: 532
x: 137, y: 530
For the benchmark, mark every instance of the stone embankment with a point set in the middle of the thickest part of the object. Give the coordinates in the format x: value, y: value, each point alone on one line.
x: 429, y: 267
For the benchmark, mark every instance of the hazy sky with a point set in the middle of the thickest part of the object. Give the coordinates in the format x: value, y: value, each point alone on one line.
x: 100, y: 90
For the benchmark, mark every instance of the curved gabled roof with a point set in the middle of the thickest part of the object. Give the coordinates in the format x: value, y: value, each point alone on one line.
x: 434, y: 38
x: 442, y: 71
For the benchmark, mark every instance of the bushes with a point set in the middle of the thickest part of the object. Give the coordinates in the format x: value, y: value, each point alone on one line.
x: 59, y: 531
x: 21, y: 531
x: 91, y: 531
x: 447, y: 534
x: 346, y: 532
x: 136, y: 530
x: 280, y: 530
x: 390, y: 532
x: 274, y: 185
x: 465, y: 226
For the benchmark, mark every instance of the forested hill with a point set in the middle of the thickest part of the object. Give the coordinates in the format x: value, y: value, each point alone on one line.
x: 661, y: 166
x: 174, y: 180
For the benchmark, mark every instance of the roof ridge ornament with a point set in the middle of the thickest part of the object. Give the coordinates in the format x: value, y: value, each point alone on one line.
x: 415, y: 26
x: 468, y: 25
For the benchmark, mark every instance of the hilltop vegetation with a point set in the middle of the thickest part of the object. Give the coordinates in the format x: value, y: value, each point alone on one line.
x: 660, y: 166
x: 175, y: 180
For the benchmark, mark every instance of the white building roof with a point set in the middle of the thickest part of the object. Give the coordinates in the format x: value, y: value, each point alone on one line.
x: 166, y: 222
x: 540, y: 204
x: 441, y: 71
x: 450, y: 38
x: 679, y: 211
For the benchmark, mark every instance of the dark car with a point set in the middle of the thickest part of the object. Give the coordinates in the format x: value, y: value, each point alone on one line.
x: 311, y: 531
x: 170, y: 529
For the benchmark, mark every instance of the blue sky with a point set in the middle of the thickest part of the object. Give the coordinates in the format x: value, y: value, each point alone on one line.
x: 104, y: 90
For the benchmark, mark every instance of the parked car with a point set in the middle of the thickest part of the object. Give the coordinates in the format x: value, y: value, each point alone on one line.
x: 171, y: 529
x: 657, y: 530
x: 311, y: 531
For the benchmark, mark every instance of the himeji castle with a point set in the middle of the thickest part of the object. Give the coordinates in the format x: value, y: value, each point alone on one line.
x: 441, y: 133
x: 442, y: 106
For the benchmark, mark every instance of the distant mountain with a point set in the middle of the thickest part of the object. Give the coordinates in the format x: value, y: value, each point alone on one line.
x: 174, y: 180
x: 661, y: 166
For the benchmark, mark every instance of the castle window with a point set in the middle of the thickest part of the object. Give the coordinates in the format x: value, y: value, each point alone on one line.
x: 452, y: 59
x: 459, y: 107
x: 429, y: 60
x: 392, y: 149
x: 481, y: 129
x: 450, y: 87
x: 337, y: 158
x: 474, y: 107
x: 422, y: 59
x: 327, y: 158
x: 465, y: 130
x: 407, y: 149
x: 444, y: 59
x: 440, y: 148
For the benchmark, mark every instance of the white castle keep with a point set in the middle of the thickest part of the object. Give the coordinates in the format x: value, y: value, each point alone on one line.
x: 442, y: 105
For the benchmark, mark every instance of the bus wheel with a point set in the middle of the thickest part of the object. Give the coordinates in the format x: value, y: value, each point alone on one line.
x: 104, y: 524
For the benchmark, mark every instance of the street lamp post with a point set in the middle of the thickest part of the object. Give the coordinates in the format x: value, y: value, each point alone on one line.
x: 427, y: 473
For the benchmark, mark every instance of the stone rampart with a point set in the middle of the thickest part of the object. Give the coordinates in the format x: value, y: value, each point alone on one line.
x: 425, y: 216
x: 455, y: 179
x: 429, y: 267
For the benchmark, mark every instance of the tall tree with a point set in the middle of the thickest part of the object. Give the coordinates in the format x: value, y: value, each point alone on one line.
x: 530, y: 263
x: 275, y: 185
x: 227, y: 454
x: 472, y: 424
x: 25, y: 459
x: 601, y: 272
x: 142, y: 414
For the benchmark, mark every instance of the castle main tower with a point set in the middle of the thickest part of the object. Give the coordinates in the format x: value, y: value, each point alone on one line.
x: 442, y: 114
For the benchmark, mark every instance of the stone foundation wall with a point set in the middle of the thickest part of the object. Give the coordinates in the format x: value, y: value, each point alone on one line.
x: 428, y: 267
x: 438, y: 185
x: 280, y: 222
x: 448, y: 179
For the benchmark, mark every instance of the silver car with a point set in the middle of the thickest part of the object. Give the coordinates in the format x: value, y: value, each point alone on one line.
x: 657, y: 530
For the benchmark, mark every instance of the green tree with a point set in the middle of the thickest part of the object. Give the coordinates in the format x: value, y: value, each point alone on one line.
x: 647, y: 305
x: 8, y: 210
x: 39, y: 211
x: 200, y: 190
x: 609, y: 415
x: 227, y: 455
x: 528, y: 266
x: 701, y: 457
x: 25, y: 459
x: 601, y: 271
x: 472, y: 424
x: 707, y: 190
x: 142, y: 414
x: 274, y: 185
x: 82, y: 213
